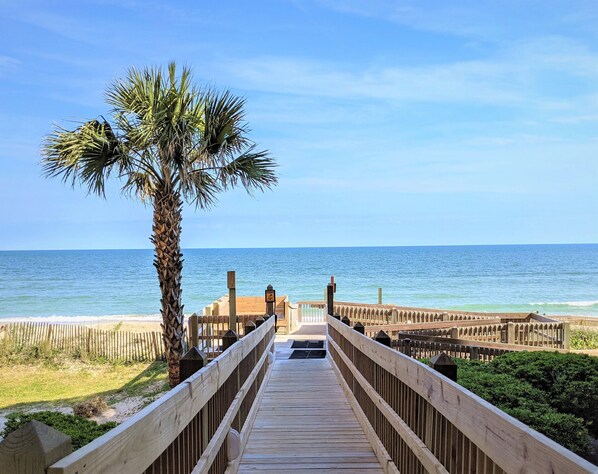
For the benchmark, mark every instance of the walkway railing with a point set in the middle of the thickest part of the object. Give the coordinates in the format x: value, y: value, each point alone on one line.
x: 212, y: 328
x: 186, y: 430
x: 554, y: 335
x: 421, y: 347
x: 422, y: 422
x: 311, y: 311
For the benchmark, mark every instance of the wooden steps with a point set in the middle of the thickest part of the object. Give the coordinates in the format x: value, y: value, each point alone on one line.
x: 305, y: 424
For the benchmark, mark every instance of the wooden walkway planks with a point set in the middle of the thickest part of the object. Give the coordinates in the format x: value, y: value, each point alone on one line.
x: 305, y: 424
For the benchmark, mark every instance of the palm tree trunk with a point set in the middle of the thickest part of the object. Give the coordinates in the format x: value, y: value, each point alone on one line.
x: 168, y: 261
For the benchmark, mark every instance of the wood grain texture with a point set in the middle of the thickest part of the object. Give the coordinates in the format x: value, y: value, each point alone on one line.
x: 305, y: 424
x: 510, y: 444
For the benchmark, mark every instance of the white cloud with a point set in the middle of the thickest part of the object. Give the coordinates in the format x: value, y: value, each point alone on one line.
x: 512, y: 76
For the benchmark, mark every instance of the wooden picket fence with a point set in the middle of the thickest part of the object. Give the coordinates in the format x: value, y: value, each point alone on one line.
x: 83, y: 341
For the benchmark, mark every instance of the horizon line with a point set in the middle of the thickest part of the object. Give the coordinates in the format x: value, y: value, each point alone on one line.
x: 306, y: 247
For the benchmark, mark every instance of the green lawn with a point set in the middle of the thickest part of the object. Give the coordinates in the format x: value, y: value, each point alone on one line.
x: 74, y: 382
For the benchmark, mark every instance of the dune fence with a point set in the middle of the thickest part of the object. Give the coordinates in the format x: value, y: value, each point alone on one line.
x: 82, y: 341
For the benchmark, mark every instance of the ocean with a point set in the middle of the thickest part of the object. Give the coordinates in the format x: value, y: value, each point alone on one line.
x: 74, y: 285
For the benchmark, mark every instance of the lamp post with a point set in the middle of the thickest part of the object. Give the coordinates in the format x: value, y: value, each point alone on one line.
x: 270, y: 299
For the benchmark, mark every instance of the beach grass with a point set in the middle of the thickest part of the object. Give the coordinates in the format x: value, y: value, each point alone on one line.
x: 74, y: 381
x: 584, y: 338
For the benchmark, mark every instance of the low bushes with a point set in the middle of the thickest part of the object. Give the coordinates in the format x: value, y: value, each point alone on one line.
x: 80, y: 430
x: 527, y: 403
x: 570, y: 381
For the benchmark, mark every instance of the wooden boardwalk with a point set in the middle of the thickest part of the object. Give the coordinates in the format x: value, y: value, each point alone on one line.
x: 305, y: 424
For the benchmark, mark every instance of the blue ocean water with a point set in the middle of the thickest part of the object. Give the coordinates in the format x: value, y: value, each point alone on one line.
x: 551, y: 279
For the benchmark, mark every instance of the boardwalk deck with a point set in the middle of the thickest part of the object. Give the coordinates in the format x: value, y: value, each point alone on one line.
x: 305, y: 424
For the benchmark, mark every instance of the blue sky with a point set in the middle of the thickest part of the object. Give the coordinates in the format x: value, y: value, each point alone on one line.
x: 394, y: 122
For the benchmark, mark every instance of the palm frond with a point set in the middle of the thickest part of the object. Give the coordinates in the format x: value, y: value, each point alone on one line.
x: 202, y: 189
x: 86, y: 154
x: 224, y: 127
x: 254, y: 170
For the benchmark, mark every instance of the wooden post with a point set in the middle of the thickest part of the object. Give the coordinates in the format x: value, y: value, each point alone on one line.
x: 193, y: 331
x: 249, y: 326
x: 259, y: 321
x: 407, y: 347
x: 270, y: 297
x: 346, y: 321
x: 474, y: 353
x: 379, y: 295
x: 445, y: 365
x: 360, y: 328
x: 192, y: 361
x: 229, y: 338
x: 330, y: 299
x: 510, y: 333
x: 33, y: 448
x: 382, y: 338
x: 232, y: 300
x: 566, y: 335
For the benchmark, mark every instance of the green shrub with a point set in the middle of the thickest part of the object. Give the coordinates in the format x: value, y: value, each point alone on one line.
x: 567, y: 430
x: 530, y: 404
x: 570, y: 381
x: 80, y: 430
x: 582, y: 338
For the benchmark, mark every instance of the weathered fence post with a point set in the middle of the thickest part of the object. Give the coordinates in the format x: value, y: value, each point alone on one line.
x: 229, y: 338
x: 33, y: 448
x: 193, y: 331
x: 249, y: 326
x: 510, y: 333
x: 382, y: 338
x: 259, y: 321
x: 192, y: 361
x: 445, y: 365
x: 232, y: 300
x: 360, y: 328
x: 346, y: 321
x: 566, y: 335
x: 407, y: 347
x: 330, y: 299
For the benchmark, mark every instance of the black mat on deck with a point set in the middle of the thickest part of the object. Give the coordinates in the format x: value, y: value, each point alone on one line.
x: 308, y: 345
x: 316, y: 354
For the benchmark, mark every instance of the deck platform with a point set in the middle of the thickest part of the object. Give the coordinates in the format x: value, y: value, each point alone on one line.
x: 305, y: 424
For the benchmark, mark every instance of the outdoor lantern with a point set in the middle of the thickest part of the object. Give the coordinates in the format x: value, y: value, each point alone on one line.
x: 270, y: 294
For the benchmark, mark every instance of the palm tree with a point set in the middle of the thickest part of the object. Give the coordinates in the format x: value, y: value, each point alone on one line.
x: 169, y: 142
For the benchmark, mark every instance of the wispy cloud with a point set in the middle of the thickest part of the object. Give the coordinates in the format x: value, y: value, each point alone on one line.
x: 493, y: 21
x: 510, y: 77
x: 8, y: 65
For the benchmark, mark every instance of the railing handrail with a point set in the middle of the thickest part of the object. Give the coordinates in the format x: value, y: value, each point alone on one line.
x: 135, y: 444
x: 509, y: 443
x: 475, y: 343
x: 430, y: 325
